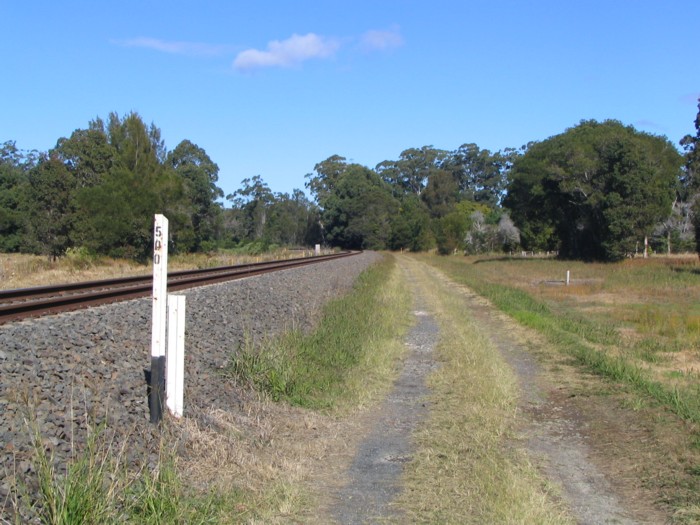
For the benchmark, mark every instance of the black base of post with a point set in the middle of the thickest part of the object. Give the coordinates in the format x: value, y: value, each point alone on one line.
x: 156, y: 391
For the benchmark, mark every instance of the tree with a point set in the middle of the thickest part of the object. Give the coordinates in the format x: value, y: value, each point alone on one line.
x: 254, y: 200
x: 481, y: 175
x: 691, y: 145
x: 50, y: 208
x: 87, y: 154
x: 13, y: 182
x: 598, y: 189
x: 117, y: 214
x: 358, y: 213
x: 328, y: 173
x: 199, y: 175
x: 293, y: 220
x: 441, y: 193
x: 508, y: 233
x: 410, y: 174
x: 410, y: 227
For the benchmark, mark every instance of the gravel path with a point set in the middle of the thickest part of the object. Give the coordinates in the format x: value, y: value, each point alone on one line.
x: 88, y: 366
x: 378, y: 464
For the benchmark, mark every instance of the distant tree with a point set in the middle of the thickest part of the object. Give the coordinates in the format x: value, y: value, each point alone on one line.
x: 293, y: 220
x: 13, y: 182
x: 411, y: 226
x: 481, y: 175
x: 87, y: 154
x: 322, y: 183
x: 50, y: 208
x: 599, y: 188
x: 254, y: 199
x: 199, y: 175
x: 441, y: 193
x: 691, y: 145
x: 116, y: 215
x: 508, y: 233
x: 412, y: 171
x: 358, y: 213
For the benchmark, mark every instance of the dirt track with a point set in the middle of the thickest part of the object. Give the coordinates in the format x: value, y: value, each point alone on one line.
x: 564, y: 429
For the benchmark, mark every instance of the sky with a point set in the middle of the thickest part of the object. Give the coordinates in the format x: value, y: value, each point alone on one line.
x: 272, y: 88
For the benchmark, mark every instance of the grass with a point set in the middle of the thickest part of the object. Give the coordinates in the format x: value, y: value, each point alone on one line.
x: 468, y: 468
x: 96, y: 486
x: 352, y: 351
x: 624, y: 328
x: 24, y: 270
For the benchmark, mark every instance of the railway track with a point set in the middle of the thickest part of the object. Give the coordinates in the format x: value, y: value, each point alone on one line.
x: 33, y: 302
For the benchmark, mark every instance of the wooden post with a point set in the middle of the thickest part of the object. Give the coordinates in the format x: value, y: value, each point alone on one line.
x: 568, y: 277
x: 175, y: 361
x: 160, y: 292
x: 646, y: 246
x: 317, y: 249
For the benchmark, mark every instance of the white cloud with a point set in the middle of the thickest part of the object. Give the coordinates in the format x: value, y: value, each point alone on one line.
x: 287, y: 53
x: 385, y: 40
x: 177, y: 48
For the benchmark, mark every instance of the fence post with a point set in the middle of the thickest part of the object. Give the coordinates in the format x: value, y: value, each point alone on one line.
x: 160, y: 291
x: 175, y: 362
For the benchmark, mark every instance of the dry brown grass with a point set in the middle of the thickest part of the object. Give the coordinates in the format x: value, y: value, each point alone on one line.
x: 651, y: 304
x: 24, y: 271
x: 468, y: 467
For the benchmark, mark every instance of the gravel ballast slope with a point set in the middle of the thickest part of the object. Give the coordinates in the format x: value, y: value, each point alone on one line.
x: 92, y: 362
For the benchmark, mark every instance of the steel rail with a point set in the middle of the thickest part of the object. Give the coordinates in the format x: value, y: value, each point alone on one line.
x: 31, y: 302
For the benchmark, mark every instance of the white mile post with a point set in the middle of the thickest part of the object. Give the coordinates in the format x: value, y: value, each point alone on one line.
x: 175, y: 362
x: 160, y: 294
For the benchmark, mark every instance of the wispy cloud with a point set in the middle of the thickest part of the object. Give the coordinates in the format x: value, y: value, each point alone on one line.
x: 645, y: 123
x: 287, y: 53
x: 176, y: 47
x: 381, y: 40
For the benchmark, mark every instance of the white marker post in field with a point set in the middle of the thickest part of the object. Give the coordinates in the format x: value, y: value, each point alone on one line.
x: 175, y: 363
x: 160, y: 295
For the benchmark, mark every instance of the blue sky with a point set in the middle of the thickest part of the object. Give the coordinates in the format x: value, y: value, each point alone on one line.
x: 271, y: 88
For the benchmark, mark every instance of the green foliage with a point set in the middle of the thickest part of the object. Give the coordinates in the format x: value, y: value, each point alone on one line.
x: 599, y: 187
x: 593, y: 192
x: 13, y: 181
x: 413, y: 170
x: 100, y: 188
x: 51, y: 212
x: 691, y: 145
x: 411, y: 226
x: 199, y: 174
x: 359, y: 211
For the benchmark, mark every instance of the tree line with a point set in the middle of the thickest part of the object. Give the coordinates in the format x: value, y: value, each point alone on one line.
x: 592, y: 192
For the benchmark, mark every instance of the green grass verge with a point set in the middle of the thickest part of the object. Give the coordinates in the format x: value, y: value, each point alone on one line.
x: 96, y: 486
x: 352, y: 351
